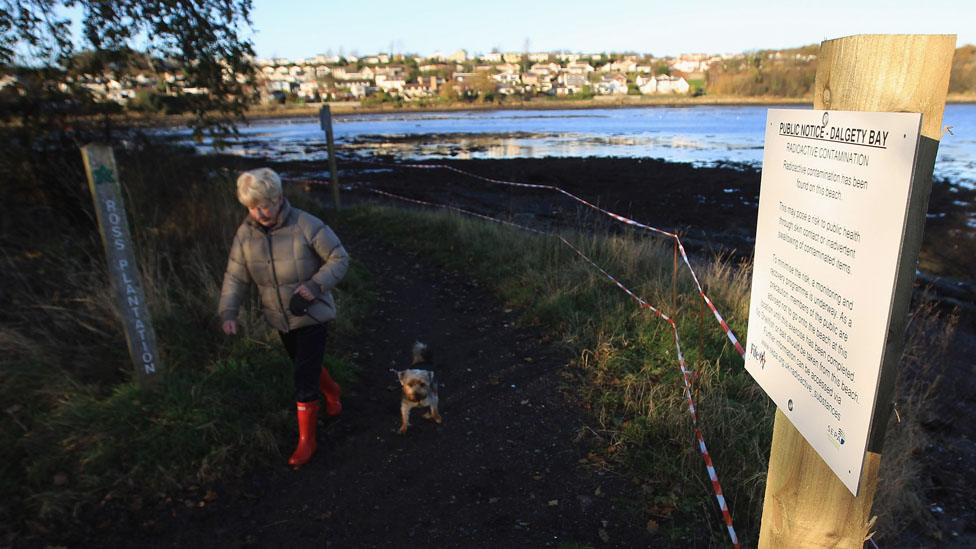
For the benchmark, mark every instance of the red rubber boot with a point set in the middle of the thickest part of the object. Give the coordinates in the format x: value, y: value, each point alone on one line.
x: 330, y: 389
x: 307, y: 412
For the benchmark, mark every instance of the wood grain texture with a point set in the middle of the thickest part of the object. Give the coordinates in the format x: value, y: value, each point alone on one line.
x: 887, y: 73
x: 805, y: 504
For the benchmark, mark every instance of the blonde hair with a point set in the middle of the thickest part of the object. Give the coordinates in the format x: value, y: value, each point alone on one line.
x: 260, y: 186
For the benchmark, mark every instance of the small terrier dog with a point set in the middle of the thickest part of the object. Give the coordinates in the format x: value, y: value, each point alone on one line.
x: 419, y: 387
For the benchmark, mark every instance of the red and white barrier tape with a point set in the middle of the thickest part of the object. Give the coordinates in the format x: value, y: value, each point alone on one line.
x: 626, y: 220
x: 685, y: 374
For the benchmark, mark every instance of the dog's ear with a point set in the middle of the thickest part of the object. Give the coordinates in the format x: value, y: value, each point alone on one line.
x: 399, y: 375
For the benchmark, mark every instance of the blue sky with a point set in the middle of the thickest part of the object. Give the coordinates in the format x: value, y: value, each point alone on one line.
x: 301, y: 28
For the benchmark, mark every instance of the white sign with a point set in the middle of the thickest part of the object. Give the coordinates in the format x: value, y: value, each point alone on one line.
x: 832, y: 209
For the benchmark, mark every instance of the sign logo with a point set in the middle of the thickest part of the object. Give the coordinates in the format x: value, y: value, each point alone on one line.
x: 102, y: 175
x: 826, y: 118
x: 837, y: 436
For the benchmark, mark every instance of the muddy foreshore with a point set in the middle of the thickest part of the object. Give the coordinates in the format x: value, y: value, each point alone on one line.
x: 714, y: 208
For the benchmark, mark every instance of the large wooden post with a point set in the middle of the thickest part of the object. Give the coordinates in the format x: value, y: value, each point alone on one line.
x: 805, y: 504
x: 130, y: 300
x: 325, y: 120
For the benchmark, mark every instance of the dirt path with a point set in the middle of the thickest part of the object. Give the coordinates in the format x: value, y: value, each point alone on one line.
x: 503, y: 470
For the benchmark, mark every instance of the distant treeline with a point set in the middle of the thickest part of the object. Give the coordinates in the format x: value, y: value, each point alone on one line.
x: 791, y: 73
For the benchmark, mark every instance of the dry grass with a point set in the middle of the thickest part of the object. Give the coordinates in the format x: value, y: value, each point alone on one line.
x: 74, y: 425
x: 628, y: 360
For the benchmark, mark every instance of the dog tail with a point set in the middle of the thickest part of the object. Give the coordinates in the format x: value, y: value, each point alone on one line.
x: 421, y: 353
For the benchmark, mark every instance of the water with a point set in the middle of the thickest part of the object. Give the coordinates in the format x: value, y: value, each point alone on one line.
x: 703, y: 136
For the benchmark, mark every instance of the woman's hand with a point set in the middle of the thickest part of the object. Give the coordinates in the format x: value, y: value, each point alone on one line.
x: 229, y: 327
x: 304, y: 292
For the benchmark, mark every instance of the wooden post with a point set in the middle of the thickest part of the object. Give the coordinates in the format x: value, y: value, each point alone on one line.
x: 113, y: 223
x: 325, y: 119
x: 805, y: 504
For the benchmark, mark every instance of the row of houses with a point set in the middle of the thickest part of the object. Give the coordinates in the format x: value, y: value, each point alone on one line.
x: 312, y: 81
x: 690, y: 62
x: 334, y: 77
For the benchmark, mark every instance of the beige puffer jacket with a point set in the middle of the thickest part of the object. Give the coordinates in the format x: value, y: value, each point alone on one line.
x: 298, y: 249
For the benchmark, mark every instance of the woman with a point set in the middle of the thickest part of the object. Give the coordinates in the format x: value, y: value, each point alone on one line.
x: 295, y: 260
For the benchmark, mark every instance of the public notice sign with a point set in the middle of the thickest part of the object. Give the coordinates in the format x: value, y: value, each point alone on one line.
x: 832, y: 215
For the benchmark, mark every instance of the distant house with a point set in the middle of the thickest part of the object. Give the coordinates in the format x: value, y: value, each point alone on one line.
x: 512, y: 57
x: 493, y: 57
x: 538, y: 57
x: 612, y: 84
x: 545, y: 68
x: 568, y: 57
x: 509, y: 67
x: 507, y: 78
x: 540, y: 81
x: 459, y: 56
x: 415, y: 91
x: 430, y: 84
x: 624, y: 65
x: 343, y: 73
x: 359, y: 88
x: 572, y: 83
x: 434, y: 67
x: 579, y: 68
x: 309, y: 91
x: 672, y: 84
x: 392, y: 71
x: 323, y: 60
x: 662, y: 84
x: 646, y: 84
x: 390, y: 84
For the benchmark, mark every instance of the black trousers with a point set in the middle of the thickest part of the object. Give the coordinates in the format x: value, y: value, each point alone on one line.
x: 306, y: 348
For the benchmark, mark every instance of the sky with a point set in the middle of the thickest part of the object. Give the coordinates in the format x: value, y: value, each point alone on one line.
x: 303, y: 28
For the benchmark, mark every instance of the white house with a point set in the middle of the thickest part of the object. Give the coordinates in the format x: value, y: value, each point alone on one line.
x: 509, y: 78
x: 624, y: 65
x: 579, y: 68
x: 662, y: 84
x: 390, y: 84
x: 612, y: 84
x: 308, y: 90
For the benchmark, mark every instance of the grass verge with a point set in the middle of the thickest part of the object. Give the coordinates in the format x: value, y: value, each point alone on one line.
x: 79, y: 438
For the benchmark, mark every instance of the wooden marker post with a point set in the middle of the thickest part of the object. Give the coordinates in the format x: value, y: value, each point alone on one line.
x: 113, y: 223
x: 806, y: 504
x: 325, y: 120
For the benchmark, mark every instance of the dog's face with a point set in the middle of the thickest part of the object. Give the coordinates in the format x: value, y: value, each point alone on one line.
x: 416, y: 384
